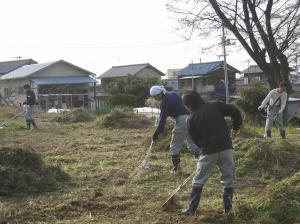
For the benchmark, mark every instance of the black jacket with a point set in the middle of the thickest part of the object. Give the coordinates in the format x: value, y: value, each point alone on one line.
x: 208, y: 129
x: 30, y: 98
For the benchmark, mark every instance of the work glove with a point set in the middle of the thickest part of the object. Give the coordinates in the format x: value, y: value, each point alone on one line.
x: 154, y: 137
x: 261, y: 107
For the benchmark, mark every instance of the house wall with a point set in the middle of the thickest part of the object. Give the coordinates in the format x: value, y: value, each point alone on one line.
x: 60, y: 70
x: 14, y: 88
x: 206, y: 85
x: 148, y: 72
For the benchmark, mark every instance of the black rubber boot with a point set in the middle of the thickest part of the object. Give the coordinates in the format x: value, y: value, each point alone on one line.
x: 28, y: 124
x: 197, y: 154
x: 282, y: 133
x: 176, y: 163
x: 227, y: 199
x: 194, y: 201
x: 34, y: 124
x: 269, y: 133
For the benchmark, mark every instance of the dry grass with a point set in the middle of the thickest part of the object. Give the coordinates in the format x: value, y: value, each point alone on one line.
x: 99, y: 161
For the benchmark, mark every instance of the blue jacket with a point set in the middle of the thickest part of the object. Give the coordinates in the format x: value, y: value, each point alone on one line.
x: 170, y: 106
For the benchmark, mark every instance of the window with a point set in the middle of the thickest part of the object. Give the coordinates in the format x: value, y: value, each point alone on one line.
x: 7, y: 91
x: 20, y: 90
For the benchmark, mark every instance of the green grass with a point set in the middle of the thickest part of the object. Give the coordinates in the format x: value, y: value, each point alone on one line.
x: 99, y: 161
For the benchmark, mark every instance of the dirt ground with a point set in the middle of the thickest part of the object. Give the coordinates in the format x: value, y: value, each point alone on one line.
x: 99, y: 162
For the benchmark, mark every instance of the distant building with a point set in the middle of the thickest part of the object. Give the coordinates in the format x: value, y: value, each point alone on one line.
x: 253, y: 74
x: 172, y: 73
x: 8, y: 66
x: 171, y: 79
x: 57, y: 84
x: 208, y: 79
x: 140, y: 70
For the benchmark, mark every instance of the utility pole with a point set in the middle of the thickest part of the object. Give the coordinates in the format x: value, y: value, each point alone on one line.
x: 224, y: 43
x: 193, y: 76
x: 297, y: 64
x: 18, y: 57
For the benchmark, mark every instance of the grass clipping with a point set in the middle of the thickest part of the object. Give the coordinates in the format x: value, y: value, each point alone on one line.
x: 123, y: 118
x: 266, y: 158
x: 279, y: 203
x: 74, y: 116
x: 23, y: 171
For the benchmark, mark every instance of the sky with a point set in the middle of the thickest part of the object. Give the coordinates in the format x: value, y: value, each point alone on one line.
x: 99, y: 34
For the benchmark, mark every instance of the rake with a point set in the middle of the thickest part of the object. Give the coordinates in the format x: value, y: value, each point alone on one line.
x: 145, y: 163
x: 171, y: 198
x: 12, y: 118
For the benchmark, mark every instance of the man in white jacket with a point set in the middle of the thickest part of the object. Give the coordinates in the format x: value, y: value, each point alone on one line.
x: 275, y: 103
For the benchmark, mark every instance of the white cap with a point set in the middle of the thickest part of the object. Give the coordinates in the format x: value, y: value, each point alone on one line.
x: 156, y: 90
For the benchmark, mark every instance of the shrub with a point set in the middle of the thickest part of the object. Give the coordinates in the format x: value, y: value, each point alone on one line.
x: 123, y: 118
x: 249, y: 102
x: 151, y: 102
x: 122, y: 99
x: 103, y: 110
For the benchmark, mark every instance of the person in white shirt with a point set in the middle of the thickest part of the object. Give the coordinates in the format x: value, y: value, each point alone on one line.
x: 275, y: 103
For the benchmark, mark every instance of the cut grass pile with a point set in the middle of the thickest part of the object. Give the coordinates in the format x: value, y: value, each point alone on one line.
x: 74, y: 116
x: 22, y: 170
x: 278, y: 203
x: 266, y: 158
x: 123, y: 118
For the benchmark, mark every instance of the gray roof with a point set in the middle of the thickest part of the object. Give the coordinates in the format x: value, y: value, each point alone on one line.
x: 28, y: 70
x: 124, y: 70
x: 252, y: 69
x: 8, y: 66
x: 63, y: 80
x: 202, y: 69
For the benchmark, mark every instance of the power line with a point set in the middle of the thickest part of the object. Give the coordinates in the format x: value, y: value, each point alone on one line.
x: 101, y: 47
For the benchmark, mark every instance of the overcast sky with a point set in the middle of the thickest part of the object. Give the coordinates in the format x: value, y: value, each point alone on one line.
x: 98, y: 34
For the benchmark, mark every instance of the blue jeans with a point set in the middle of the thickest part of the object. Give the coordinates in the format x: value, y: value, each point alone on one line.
x: 29, y: 112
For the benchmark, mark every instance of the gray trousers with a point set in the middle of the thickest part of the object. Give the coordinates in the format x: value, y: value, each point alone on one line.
x: 29, y: 113
x: 274, y: 116
x: 179, y: 134
x: 206, y: 164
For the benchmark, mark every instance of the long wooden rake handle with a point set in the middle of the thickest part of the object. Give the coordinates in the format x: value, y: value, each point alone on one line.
x: 178, y: 188
x: 8, y: 120
x: 144, y: 163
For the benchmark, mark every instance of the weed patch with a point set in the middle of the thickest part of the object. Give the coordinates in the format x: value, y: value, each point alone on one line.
x: 278, y: 203
x: 77, y: 115
x: 123, y: 118
x: 23, y: 171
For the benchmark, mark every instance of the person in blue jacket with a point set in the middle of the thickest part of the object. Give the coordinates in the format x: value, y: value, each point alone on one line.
x: 171, y: 105
x: 30, y: 103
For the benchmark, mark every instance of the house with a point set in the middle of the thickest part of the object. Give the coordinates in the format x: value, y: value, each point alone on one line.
x: 142, y: 70
x: 57, y: 84
x: 8, y: 66
x: 171, y: 80
x: 208, y: 79
x: 253, y: 74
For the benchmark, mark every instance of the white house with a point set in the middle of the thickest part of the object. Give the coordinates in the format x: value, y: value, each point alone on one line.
x: 56, y: 84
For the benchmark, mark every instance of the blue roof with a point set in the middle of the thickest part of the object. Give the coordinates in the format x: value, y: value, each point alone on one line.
x: 63, y: 80
x: 202, y: 69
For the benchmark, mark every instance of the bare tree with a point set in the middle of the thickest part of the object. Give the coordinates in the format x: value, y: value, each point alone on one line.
x: 267, y: 29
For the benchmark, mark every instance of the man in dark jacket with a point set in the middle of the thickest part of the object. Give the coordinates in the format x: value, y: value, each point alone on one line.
x: 208, y: 129
x: 30, y: 103
x: 171, y: 105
